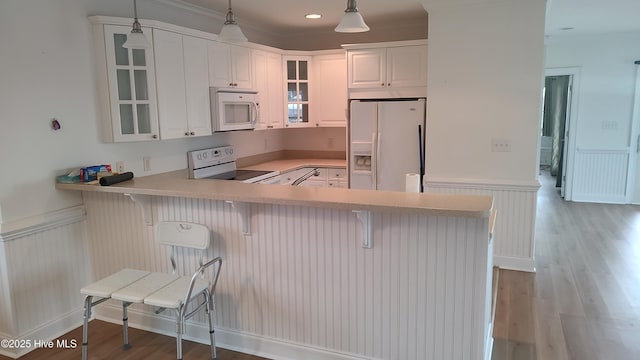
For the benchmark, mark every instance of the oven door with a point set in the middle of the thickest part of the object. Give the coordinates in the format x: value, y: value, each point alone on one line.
x: 234, y: 110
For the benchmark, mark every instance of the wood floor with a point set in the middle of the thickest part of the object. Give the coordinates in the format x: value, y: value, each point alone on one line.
x: 583, y: 302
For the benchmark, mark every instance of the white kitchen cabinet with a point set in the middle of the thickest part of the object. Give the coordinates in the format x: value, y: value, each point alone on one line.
x: 183, y: 91
x: 127, y: 86
x: 387, y: 69
x: 267, y: 75
x: 330, y: 101
x: 367, y: 68
x: 326, y: 177
x: 297, y: 75
x: 229, y: 65
x: 337, y: 177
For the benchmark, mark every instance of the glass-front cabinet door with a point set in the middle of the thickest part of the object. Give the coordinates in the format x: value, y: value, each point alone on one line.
x: 297, y: 70
x: 132, y: 89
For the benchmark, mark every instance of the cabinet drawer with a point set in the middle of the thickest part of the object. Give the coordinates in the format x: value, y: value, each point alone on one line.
x: 337, y: 183
x: 337, y: 173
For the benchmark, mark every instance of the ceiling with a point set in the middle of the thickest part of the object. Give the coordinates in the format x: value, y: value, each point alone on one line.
x: 282, y: 16
x: 592, y: 16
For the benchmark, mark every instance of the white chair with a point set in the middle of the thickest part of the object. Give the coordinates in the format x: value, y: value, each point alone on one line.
x: 162, y: 290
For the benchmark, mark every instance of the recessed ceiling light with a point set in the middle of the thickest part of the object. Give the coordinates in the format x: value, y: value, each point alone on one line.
x: 566, y: 28
x: 313, y: 16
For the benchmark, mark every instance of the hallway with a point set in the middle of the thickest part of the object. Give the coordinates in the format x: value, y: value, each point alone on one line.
x: 583, y: 302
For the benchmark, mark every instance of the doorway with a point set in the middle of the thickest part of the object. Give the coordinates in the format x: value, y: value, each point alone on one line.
x: 557, y: 145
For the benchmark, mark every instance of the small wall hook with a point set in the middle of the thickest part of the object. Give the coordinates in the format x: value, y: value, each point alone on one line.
x: 55, y: 124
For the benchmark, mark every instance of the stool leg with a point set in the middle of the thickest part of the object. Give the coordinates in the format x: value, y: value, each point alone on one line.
x: 212, y: 336
x: 125, y: 325
x: 85, y: 326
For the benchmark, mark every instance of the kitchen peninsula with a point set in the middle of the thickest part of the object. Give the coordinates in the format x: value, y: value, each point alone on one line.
x: 313, y: 273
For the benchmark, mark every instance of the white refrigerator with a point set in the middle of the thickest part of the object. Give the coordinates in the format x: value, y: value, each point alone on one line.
x: 386, y: 142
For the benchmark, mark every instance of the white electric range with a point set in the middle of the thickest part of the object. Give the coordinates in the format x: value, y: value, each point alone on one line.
x: 220, y: 163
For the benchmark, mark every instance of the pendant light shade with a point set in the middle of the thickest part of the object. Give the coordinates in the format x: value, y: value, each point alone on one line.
x: 136, y: 39
x: 352, y: 21
x: 231, y: 32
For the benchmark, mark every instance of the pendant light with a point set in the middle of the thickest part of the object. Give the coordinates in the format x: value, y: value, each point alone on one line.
x: 136, y: 39
x: 352, y: 21
x: 231, y: 32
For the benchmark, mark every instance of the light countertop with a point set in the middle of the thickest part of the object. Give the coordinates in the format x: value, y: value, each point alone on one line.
x: 177, y: 184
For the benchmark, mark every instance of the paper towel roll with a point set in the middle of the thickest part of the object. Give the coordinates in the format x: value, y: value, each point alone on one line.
x: 412, y: 183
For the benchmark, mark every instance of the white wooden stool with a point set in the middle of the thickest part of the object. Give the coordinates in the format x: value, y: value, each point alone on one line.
x: 162, y: 290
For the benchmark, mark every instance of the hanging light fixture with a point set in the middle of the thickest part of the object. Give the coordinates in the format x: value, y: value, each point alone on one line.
x: 136, y: 39
x: 231, y: 32
x: 352, y: 21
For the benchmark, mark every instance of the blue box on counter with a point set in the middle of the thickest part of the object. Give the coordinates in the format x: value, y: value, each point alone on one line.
x: 90, y: 173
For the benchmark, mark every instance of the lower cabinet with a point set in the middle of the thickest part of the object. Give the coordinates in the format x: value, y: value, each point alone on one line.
x: 326, y: 177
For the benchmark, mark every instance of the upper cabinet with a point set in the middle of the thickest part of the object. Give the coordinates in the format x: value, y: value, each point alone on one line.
x: 297, y: 89
x: 267, y: 76
x: 329, y: 99
x: 127, y: 86
x: 229, y: 66
x: 397, y: 69
x: 182, y: 85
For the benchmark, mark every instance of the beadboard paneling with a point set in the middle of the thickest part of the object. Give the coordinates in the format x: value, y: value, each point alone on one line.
x: 600, y: 175
x: 43, y: 263
x: 302, y: 281
x: 516, y: 215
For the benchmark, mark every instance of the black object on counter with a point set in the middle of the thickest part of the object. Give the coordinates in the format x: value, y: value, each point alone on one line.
x: 114, y: 179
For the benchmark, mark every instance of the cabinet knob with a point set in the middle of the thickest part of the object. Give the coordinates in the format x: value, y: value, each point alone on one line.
x: 154, y: 136
x: 186, y: 134
x: 192, y: 133
x: 230, y: 84
x: 389, y: 84
x: 269, y: 126
x: 234, y: 84
x: 382, y: 84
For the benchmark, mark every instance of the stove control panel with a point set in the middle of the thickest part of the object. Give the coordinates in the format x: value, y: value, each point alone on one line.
x: 198, y: 159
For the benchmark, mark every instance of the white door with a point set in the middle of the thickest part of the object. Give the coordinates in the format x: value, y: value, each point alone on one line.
x: 397, y: 143
x: 362, y: 133
x: 565, y: 141
x: 634, y: 146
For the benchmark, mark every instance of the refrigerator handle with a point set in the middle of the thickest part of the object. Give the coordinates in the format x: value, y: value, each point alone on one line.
x: 374, y: 160
x: 378, y: 158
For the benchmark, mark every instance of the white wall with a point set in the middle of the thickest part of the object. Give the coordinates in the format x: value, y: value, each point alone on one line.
x: 484, y: 80
x: 485, y: 70
x: 607, y: 80
x: 48, y: 72
x: 604, y: 112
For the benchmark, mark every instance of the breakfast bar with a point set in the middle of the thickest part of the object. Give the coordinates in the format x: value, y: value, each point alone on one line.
x: 311, y: 273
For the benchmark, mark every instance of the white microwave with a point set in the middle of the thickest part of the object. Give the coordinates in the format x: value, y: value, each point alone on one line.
x: 234, y: 109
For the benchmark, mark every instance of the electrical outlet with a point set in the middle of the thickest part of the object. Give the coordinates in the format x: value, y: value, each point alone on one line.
x: 120, y: 167
x: 500, y: 145
x: 146, y: 163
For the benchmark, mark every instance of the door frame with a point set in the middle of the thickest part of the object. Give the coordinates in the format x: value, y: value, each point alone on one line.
x: 634, y: 141
x: 571, y: 125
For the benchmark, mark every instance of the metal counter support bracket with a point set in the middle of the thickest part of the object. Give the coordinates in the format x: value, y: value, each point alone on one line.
x: 144, y: 202
x: 243, y: 210
x: 365, y: 219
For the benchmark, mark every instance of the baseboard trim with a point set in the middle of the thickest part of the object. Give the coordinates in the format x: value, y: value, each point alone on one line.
x: 225, y: 338
x: 46, y: 332
x: 514, y: 263
x: 600, y: 199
